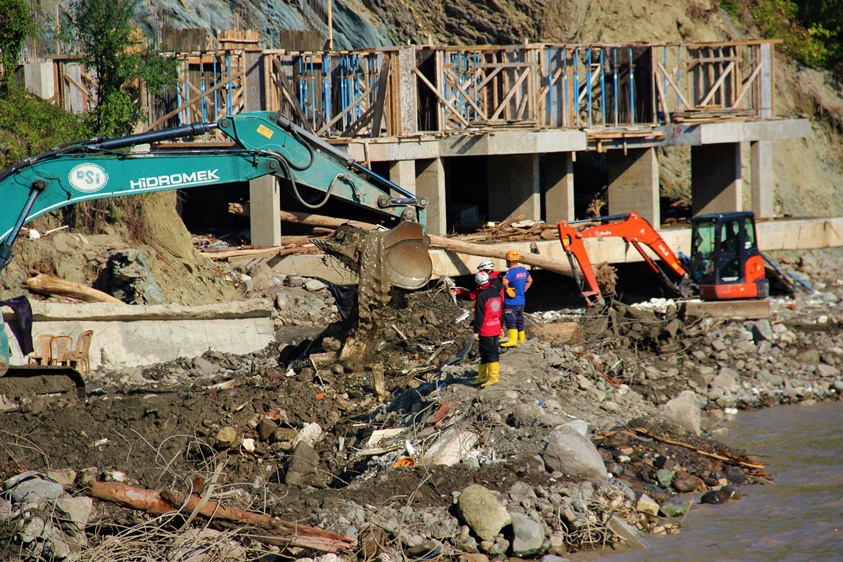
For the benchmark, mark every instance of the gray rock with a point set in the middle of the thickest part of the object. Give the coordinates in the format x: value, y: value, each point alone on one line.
x: 725, y: 382
x: 528, y: 535
x: 770, y: 378
x: 684, y: 410
x: 670, y: 509
x: 303, y: 466
x: 204, y: 367
x: 824, y: 370
x: 521, y: 491
x: 809, y: 357
x: 33, y: 486
x: 762, y: 331
x: 627, y: 533
x: 314, y: 285
x: 481, y: 510
x: 266, y: 428
x: 569, y: 452
x: 75, y: 512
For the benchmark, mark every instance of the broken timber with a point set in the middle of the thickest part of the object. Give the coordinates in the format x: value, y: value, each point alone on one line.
x: 161, y: 502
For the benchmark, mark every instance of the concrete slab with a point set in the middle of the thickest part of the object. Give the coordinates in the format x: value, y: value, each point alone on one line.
x: 127, y: 336
x: 749, y: 309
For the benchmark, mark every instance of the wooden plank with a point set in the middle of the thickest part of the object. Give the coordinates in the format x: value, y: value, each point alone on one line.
x: 287, y: 90
x: 377, y: 111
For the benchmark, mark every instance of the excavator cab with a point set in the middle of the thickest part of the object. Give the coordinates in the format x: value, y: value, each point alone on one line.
x: 725, y: 260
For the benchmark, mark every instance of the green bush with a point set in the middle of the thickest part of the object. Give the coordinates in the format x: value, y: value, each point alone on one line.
x: 30, y: 125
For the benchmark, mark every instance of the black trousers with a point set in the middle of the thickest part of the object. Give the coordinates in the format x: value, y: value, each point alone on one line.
x: 488, y: 347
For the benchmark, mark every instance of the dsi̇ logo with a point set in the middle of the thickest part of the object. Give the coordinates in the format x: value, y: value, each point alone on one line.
x: 88, y: 178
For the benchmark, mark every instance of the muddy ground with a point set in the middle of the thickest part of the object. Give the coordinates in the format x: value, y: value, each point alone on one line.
x: 237, y: 421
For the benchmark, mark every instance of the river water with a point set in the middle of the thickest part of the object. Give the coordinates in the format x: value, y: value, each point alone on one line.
x: 799, y: 517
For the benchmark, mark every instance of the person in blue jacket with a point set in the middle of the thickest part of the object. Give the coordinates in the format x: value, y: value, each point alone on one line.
x: 516, y: 282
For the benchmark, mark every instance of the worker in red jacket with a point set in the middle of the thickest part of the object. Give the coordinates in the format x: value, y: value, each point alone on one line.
x: 494, y: 277
x: 488, y: 313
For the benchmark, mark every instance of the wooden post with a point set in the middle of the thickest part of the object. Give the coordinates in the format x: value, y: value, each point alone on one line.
x: 330, y: 25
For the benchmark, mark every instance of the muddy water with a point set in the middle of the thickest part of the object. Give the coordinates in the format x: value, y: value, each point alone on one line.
x: 798, y: 518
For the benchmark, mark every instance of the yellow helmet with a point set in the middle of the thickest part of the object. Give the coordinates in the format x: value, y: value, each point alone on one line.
x: 512, y: 255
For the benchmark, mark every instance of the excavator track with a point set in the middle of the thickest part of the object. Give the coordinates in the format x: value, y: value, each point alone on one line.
x: 34, y: 388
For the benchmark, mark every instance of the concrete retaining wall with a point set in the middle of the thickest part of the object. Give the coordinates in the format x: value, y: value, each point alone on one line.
x: 127, y: 335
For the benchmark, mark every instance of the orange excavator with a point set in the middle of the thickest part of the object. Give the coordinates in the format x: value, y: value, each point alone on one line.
x: 725, y: 262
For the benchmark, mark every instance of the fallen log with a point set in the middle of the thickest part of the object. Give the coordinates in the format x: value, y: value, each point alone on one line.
x: 270, y: 251
x: 161, y: 502
x: 439, y: 242
x: 49, y: 285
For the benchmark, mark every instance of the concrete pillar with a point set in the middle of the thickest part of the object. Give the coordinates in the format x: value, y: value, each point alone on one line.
x: 39, y: 78
x: 634, y: 183
x: 763, y: 188
x: 254, y: 98
x: 265, y: 211
x: 514, y: 187
x: 716, y: 181
x: 407, y: 97
x: 557, y: 178
x: 430, y: 183
x: 403, y: 174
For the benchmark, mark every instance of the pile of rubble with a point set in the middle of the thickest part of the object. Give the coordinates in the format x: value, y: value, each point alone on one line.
x: 581, y: 445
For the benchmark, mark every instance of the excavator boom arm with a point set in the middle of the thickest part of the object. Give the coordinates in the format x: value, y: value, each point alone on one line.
x: 263, y: 144
x: 634, y: 230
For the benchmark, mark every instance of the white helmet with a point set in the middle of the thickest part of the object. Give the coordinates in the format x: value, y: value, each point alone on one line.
x: 486, y: 265
x: 481, y: 278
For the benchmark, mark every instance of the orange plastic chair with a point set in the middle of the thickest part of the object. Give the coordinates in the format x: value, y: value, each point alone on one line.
x: 62, y: 347
x: 41, y: 350
x: 79, y: 357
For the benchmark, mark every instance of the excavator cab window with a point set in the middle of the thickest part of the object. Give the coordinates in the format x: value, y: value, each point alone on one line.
x: 730, y: 250
x: 702, y: 252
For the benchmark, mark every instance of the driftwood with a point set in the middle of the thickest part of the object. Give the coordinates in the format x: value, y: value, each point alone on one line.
x: 49, y: 285
x: 438, y: 242
x: 728, y: 457
x: 160, y: 502
x: 271, y: 251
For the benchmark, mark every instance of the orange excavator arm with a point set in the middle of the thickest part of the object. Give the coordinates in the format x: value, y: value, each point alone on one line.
x: 634, y: 230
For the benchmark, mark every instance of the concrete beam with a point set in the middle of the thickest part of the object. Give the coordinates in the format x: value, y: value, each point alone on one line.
x: 130, y: 336
x: 716, y: 182
x: 557, y: 180
x: 763, y: 185
x: 634, y: 183
x: 792, y: 234
x: 489, y: 144
x: 734, y: 131
x: 265, y: 211
x: 514, y: 187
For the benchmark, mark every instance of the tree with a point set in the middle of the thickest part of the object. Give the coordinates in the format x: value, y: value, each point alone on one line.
x: 15, y: 24
x: 115, y: 50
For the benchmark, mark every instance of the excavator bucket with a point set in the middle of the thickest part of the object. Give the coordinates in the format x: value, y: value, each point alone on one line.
x: 403, y: 251
x: 407, y: 261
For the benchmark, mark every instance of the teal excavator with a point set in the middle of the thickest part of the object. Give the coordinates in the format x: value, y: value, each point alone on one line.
x: 262, y: 144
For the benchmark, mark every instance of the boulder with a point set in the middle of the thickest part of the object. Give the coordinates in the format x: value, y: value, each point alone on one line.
x: 528, y: 535
x: 684, y: 410
x: 481, y: 510
x: 303, y: 466
x: 570, y: 452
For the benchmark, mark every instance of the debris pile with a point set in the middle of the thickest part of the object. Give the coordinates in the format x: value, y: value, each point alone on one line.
x: 581, y: 445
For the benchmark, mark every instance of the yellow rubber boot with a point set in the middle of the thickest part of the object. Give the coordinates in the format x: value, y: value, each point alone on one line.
x: 513, y: 338
x: 522, y: 336
x: 493, y: 374
x: 482, y: 374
